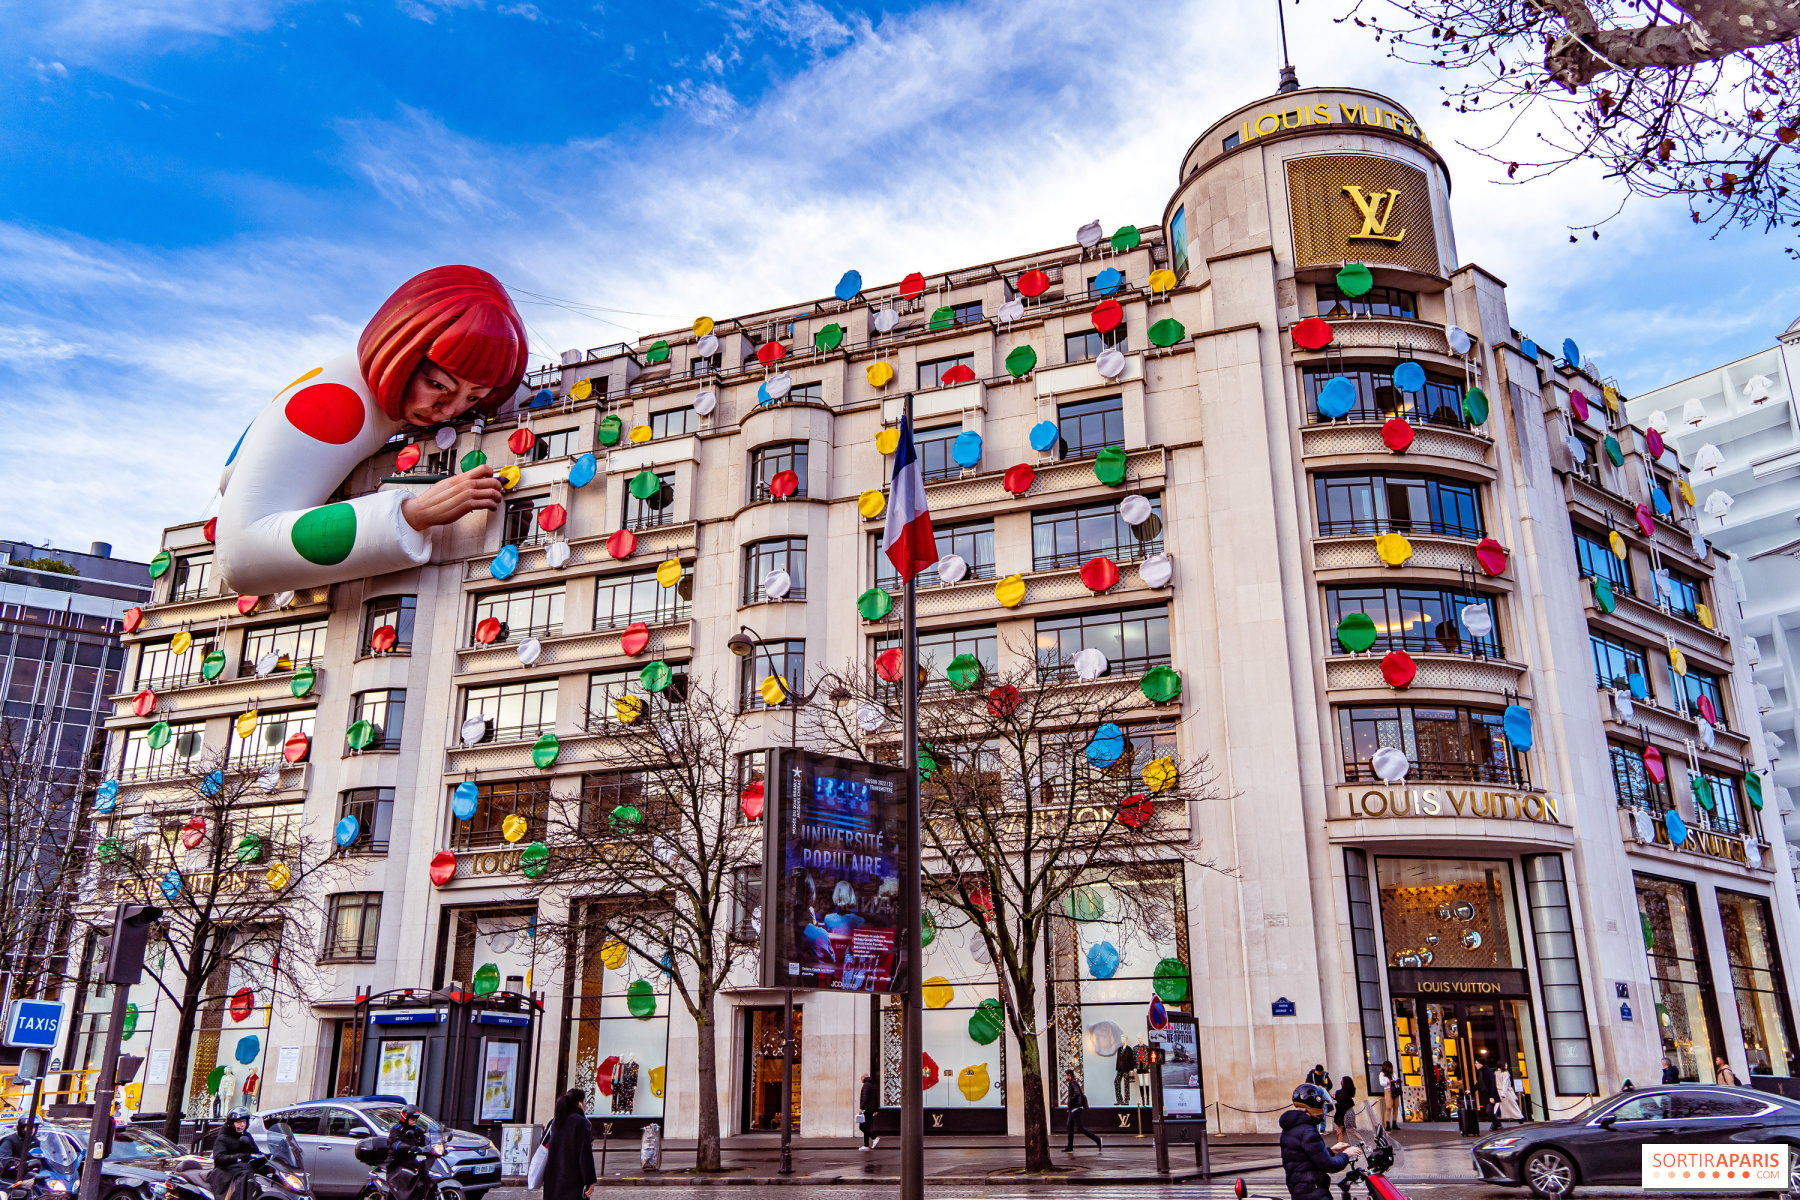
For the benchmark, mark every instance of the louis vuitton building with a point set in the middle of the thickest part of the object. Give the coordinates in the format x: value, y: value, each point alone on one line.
x: 1447, y: 626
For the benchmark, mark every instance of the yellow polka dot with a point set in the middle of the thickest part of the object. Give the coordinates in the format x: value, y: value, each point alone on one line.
x: 702, y: 326
x: 938, y: 992
x: 508, y: 477
x: 887, y: 441
x: 1161, y: 280
x: 640, y: 433
x: 871, y: 503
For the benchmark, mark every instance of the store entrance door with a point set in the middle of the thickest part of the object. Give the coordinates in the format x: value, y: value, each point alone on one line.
x: 762, y: 1070
x: 1443, y: 1044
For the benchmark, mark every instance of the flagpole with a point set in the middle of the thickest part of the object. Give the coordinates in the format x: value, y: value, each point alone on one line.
x: 912, y: 1091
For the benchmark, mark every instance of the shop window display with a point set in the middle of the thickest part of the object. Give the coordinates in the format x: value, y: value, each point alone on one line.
x: 1680, y: 977
x: 619, y: 1047
x: 963, y: 1030
x: 1117, y: 943
x: 1759, y: 984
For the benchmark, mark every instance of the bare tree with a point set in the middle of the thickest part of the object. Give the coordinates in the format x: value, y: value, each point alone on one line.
x: 656, y: 856
x: 1689, y: 98
x: 1034, y: 787
x: 240, y: 885
x: 42, y: 849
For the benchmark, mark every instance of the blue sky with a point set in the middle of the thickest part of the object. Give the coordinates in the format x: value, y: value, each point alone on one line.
x: 203, y: 197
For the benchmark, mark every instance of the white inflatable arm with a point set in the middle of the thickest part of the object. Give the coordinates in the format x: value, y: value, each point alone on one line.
x: 275, y: 531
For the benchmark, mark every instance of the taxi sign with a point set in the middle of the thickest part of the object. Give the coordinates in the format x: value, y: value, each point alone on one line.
x: 34, y: 1023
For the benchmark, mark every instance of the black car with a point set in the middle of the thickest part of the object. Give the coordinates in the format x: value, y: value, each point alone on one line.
x: 1601, y: 1146
x: 142, y: 1166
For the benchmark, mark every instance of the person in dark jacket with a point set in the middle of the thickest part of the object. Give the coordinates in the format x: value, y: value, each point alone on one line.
x: 1125, y: 1065
x: 1078, y: 1106
x: 235, y: 1154
x: 1671, y: 1073
x: 870, y: 1102
x: 15, y: 1149
x: 1488, y: 1093
x: 569, y: 1170
x: 1344, y: 1101
x: 407, y: 1142
x: 1319, y: 1076
x: 1305, y: 1161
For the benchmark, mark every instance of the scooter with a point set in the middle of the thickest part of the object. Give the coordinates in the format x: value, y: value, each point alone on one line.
x: 53, y: 1170
x: 278, y: 1175
x: 1371, y: 1169
x: 392, y: 1183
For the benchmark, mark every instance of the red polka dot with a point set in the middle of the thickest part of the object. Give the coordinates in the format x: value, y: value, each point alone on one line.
x: 327, y: 412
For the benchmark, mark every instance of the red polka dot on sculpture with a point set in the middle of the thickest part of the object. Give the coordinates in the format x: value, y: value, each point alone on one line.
x: 1396, y: 434
x: 210, y: 530
x: 326, y: 412
x: 408, y: 458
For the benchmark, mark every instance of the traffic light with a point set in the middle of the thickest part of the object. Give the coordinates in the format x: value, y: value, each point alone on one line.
x: 129, y: 1065
x: 131, y: 932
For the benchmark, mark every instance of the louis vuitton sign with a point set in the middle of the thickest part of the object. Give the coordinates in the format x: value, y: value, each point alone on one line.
x: 1361, y: 208
x: 1481, y: 803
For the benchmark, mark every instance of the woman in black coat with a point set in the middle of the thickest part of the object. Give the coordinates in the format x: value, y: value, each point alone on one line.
x: 1343, y: 1102
x: 569, y: 1168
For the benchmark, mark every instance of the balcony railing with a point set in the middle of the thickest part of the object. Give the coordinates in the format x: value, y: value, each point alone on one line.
x: 1124, y: 553
x: 509, y: 633
x: 1459, y: 772
x: 1411, y: 411
x: 1374, y: 525
x: 1118, y: 668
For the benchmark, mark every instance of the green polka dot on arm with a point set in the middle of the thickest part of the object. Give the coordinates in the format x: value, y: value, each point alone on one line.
x: 326, y: 535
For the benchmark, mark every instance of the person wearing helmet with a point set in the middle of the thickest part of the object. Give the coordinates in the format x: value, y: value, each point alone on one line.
x: 1306, y: 1162
x: 15, y: 1148
x: 234, y: 1154
x: 407, y: 1144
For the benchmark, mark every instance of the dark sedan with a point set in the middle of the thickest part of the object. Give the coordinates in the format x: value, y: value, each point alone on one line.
x: 1601, y: 1146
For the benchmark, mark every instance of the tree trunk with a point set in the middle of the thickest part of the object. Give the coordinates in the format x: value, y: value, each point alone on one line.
x: 192, y: 985
x: 1037, y: 1116
x: 706, y: 1133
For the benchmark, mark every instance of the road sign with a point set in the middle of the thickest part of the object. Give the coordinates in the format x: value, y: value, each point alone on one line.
x: 34, y: 1023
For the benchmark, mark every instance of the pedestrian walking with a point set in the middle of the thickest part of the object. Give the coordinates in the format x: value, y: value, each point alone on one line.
x: 870, y: 1103
x: 1725, y: 1075
x: 1390, y: 1097
x: 1671, y: 1073
x: 1305, y: 1161
x: 1319, y: 1077
x: 1487, y: 1091
x: 569, y: 1170
x: 1078, y: 1105
x: 1346, y: 1100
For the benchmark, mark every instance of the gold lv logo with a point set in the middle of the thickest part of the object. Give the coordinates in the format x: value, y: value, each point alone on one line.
x: 937, y: 1120
x: 1377, y: 209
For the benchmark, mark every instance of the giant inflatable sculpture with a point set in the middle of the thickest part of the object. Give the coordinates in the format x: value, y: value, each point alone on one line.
x: 448, y: 341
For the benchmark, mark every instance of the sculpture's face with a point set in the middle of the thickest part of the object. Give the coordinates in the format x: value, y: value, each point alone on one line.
x: 434, y: 395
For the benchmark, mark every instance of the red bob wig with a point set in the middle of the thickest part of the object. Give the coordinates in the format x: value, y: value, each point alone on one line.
x: 458, y: 317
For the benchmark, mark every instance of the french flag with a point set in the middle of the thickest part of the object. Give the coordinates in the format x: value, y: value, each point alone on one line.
x: 908, y: 541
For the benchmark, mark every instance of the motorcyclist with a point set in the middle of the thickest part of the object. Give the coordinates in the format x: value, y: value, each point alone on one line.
x: 1304, y: 1158
x: 407, y: 1144
x: 235, y: 1154
x: 14, y: 1149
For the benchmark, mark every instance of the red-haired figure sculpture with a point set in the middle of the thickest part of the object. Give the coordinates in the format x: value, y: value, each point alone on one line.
x: 449, y: 340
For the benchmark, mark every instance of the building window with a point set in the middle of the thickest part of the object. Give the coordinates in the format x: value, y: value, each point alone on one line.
x: 659, y: 509
x: 1616, y: 662
x: 139, y: 761
x: 973, y: 542
x: 1596, y: 560
x: 1727, y: 812
x: 522, y: 528
x: 1376, y: 302
x: 932, y: 446
x: 1361, y: 504
x: 1178, y: 250
x: 1559, y: 976
x: 293, y: 646
x: 494, y: 802
x: 529, y: 612
x: 1681, y: 978
x: 674, y: 422
x: 1463, y: 744
x: 938, y: 647
x: 1069, y: 537
x: 393, y: 612
x: 1133, y: 640
x: 267, y: 744
x: 805, y: 393
x: 709, y: 365
x: 433, y: 463
x: 1697, y: 684
x: 1681, y: 592
x: 603, y: 792
x: 161, y: 669
x: 752, y: 767
x: 514, y: 711
x: 1418, y: 619
x: 774, y: 554
x: 1090, y: 426
x: 373, y: 809
x: 1762, y: 996
x: 966, y: 314
x: 607, y: 688
x: 385, y: 709
x: 931, y: 374
x: 352, y: 920
x: 784, y: 659
x: 192, y: 573
x: 766, y: 462
x: 557, y: 443
x: 1439, y: 402
x: 1633, y: 785
x: 1078, y: 347
x: 621, y: 600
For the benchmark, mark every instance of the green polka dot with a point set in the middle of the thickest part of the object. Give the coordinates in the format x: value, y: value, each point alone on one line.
x: 326, y: 535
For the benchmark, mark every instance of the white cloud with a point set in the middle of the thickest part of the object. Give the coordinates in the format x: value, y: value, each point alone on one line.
x: 946, y: 138
x: 87, y: 28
